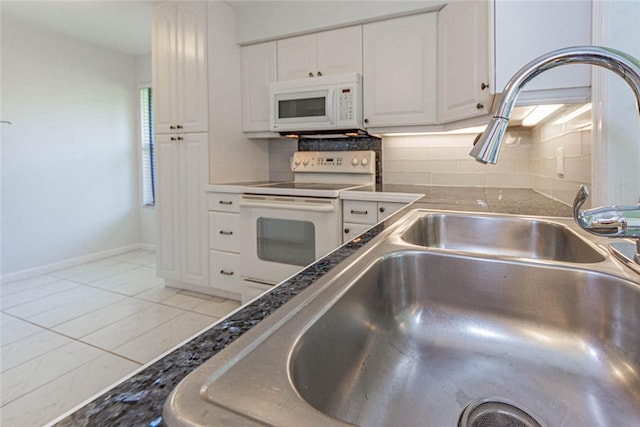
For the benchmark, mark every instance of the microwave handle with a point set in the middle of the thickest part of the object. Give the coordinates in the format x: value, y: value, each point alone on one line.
x: 332, y: 104
x: 269, y: 205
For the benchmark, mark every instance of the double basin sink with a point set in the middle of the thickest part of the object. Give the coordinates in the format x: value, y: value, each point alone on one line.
x: 444, y: 319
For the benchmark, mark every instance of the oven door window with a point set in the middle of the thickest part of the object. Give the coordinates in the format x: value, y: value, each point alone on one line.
x: 286, y: 241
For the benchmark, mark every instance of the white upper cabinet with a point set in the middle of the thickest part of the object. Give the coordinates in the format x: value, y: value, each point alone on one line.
x: 463, y: 60
x: 258, y: 70
x: 320, y: 54
x: 179, y: 64
x: 524, y: 30
x: 400, y: 71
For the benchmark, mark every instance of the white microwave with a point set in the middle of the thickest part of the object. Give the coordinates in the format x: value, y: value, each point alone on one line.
x: 328, y: 103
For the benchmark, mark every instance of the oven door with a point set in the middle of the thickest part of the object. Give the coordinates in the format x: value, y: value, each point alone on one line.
x: 285, y: 234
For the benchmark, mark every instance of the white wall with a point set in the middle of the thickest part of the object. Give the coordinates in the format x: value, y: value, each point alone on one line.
x: 69, y: 169
x: 232, y: 156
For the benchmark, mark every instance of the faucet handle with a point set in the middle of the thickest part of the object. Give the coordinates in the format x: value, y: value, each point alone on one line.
x: 581, y: 197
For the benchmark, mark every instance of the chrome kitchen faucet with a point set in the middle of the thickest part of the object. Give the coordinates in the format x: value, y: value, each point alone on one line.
x: 612, y: 221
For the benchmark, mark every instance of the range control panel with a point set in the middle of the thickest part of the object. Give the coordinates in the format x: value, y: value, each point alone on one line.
x: 334, y: 161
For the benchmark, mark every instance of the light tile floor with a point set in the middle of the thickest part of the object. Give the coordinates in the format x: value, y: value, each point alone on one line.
x: 70, y: 334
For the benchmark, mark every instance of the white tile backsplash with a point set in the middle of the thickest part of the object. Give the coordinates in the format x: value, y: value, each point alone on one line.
x: 443, y: 160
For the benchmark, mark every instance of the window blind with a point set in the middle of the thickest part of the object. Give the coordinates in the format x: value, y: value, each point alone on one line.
x: 146, y: 137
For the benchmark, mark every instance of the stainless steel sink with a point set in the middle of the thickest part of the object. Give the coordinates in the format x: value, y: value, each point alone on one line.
x: 419, y: 336
x: 501, y: 235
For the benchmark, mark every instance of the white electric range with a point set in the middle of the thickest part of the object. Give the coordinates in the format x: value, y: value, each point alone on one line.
x: 288, y: 225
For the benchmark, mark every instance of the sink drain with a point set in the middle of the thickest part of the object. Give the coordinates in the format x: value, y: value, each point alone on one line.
x: 495, y: 413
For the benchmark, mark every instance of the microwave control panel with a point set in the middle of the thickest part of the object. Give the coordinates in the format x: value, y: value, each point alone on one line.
x: 345, y: 104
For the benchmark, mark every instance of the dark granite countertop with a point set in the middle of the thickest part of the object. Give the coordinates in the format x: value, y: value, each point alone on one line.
x: 138, y: 400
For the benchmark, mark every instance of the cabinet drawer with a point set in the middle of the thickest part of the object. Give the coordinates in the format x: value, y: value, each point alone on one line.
x: 224, y: 271
x: 360, y: 212
x: 351, y: 230
x: 223, y: 231
x: 224, y: 202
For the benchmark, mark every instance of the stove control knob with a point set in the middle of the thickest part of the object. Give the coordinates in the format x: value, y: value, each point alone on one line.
x: 297, y: 162
x: 305, y: 161
x: 364, y: 161
x: 354, y: 161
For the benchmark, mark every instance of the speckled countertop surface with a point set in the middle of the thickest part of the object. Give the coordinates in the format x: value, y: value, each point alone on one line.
x: 138, y: 400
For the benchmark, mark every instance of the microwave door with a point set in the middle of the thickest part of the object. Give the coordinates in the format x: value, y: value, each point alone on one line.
x: 307, y: 110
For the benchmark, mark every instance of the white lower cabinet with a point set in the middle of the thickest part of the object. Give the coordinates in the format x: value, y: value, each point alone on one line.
x: 224, y: 244
x: 181, y: 178
x: 359, y: 216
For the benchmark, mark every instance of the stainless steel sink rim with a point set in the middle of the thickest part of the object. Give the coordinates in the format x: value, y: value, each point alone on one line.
x: 318, y: 300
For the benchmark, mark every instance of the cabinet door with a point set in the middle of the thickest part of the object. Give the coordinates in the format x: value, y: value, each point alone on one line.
x: 297, y: 57
x: 524, y: 30
x: 167, y: 168
x: 258, y: 70
x: 351, y: 230
x: 340, y: 51
x: 463, y: 60
x: 400, y: 71
x: 194, y: 177
x: 164, y: 63
x: 193, y: 99
x: 386, y: 209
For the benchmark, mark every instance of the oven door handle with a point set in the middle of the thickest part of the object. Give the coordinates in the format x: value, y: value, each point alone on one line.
x: 268, y: 205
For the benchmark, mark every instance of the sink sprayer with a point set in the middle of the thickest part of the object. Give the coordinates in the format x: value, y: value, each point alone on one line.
x: 612, y: 221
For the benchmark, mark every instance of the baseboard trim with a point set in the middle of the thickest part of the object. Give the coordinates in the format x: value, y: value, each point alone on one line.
x: 44, y: 269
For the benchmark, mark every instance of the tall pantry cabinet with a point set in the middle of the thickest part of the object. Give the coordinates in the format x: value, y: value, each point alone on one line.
x: 179, y: 69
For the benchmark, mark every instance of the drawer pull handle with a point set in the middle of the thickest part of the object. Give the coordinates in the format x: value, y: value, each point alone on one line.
x: 226, y: 233
x: 355, y: 212
x: 226, y: 273
x: 225, y: 202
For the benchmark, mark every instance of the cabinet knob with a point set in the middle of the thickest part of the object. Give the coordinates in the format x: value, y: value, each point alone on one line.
x: 173, y: 138
x: 310, y: 74
x: 346, y: 231
x: 382, y: 209
x: 484, y: 86
x: 172, y: 127
x: 366, y: 120
x: 178, y: 126
x: 319, y: 73
x: 479, y: 106
x: 180, y: 138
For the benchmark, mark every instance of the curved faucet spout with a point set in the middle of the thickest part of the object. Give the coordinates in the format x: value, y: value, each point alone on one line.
x: 611, y: 221
x: 487, y: 148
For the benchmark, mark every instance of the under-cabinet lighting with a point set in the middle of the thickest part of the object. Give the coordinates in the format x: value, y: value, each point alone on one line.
x: 539, y: 113
x: 572, y: 115
x: 467, y: 130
